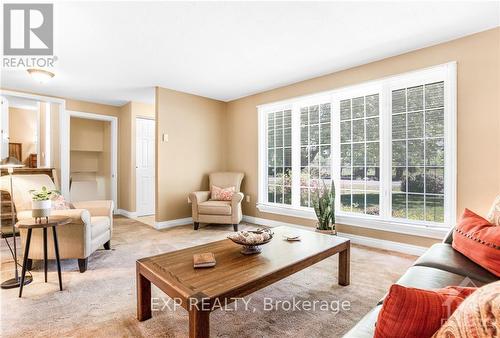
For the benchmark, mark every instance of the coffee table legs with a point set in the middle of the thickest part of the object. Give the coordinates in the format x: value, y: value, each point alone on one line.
x: 345, y: 266
x: 143, y: 297
x: 199, y: 323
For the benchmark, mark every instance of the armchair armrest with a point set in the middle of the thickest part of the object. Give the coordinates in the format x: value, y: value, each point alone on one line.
x: 96, y: 208
x: 237, y: 198
x: 78, y: 216
x: 236, y: 207
x: 199, y: 196
x: 195, y: 198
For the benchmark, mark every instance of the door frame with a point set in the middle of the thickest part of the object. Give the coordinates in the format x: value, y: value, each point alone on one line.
x: 63, y: 117
x: 138, y: 214
x: 65, y: 143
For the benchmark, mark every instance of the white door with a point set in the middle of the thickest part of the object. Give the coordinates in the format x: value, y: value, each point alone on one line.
x: 4, y: 128
x: 145, y: 166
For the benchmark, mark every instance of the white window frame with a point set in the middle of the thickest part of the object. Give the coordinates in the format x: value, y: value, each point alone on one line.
x: 384, y: 221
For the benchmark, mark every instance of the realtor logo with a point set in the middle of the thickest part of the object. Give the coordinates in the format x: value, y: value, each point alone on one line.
x: 28, y: 29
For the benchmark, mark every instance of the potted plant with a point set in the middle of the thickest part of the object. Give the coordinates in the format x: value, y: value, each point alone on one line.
x: 41, y: 202
x: 323, y: 200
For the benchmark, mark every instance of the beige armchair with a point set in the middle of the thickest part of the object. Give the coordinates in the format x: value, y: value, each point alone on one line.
x: 206, y: 210
x: 91, y: 226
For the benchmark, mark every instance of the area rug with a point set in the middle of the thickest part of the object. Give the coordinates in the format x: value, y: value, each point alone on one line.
x: 101, y: 302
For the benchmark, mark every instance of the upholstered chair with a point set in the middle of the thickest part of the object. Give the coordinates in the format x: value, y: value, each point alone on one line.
x: 91, y: 226
x: 206, y: 210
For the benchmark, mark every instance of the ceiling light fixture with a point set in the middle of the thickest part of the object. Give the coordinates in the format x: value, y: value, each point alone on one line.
x: 40, y: 75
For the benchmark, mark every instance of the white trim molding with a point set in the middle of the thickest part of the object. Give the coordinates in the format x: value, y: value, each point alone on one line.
x: 126, y: 213
x: 173, y: 223
x: 355, y: 239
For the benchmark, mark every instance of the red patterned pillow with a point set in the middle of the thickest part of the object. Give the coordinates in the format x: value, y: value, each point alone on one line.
x: 222, y: 194
x: 479, y: 240
x: 417, y: 313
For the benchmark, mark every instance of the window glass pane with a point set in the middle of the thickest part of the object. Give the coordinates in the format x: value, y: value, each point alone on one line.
x: 314, y: 155
x: 434, y: 152
x: 345, y: 131
x: 304, y: 156
x: 398, y: 101
x: 270, y: 175
x: 416, y: 152
x: 270, y: 193
x: 358, y: 201
x: 434, y: 123
x: 416, y: 207
x: 399, y: 205
x: 345, y: 109
x: 434, y: 95
x: 270, y: 138
x: 325, y: 133
x: 279, y: 157
x: 287, y: 176
x: 345, y: 200
x: 325, y: 156
x: 372, y: 153
x: 372, y: 203
x: 346, y: 178
x: 304, y: 135
x: 279, y: 120
x: 288, y: 157
x: 287, y: 119
x: 399, y: 153
x: 325, y: 174
x: 358, y: 154
x: 314, y: 134
x: 399, y: 179
x: 416, y: 125
x: 345, y: 155
x: 304, y: 197
x: 279, y: 176
x: 434, y: 180
x: 279, y: 137
x: 372, y: 129
x: 358, y: 130
x: 324, y: 113
x: 434, y: 209
x: 358, y: 107
x: 288, y: 137
x: 372, y: 105
x: 304, y: 116
x: 313, y: 114
x: 270, y: 157
x: 279, y: 194
x: 399, y: 126
x: 287, y: 195
x: 415, y: 98
x: 415, y: 180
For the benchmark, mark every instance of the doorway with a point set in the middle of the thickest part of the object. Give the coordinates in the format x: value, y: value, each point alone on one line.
x: 92, y: 156
x: 145, y: 166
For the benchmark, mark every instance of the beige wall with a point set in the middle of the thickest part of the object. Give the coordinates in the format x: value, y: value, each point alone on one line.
x: 478, y: 92
x: 23, y: 124
x: 196, y: 141
x: 128, y: 115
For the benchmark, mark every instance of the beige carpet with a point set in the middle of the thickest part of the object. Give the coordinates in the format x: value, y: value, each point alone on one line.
x: 101, y: 301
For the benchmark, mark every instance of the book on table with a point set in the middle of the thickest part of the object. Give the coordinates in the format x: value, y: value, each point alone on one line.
x: 204, y: 260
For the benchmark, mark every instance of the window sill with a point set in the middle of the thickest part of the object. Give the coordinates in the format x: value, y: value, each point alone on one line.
x: 360, y: 221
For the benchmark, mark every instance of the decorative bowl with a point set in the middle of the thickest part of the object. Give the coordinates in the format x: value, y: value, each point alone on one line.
x: 250, y: 240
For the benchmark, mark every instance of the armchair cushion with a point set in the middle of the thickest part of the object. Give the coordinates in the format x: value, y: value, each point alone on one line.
x: 96, y: 208
x: 215, y: 208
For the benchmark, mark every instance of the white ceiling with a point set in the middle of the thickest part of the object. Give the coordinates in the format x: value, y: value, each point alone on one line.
x: 113, y: 52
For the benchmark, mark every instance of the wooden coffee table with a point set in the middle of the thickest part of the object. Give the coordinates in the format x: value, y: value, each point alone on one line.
x: 235, y: 275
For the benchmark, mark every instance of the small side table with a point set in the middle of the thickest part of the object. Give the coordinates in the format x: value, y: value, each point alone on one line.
x: 30, y: 224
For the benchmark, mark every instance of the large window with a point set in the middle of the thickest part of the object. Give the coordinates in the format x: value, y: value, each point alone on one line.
x: 388, y: 145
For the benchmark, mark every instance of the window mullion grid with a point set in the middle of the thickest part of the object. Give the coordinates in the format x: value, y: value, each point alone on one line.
x: 296, y: 148
x: 424, y: 87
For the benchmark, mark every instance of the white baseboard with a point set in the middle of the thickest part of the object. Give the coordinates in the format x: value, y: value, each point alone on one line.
x: 126, y: 213
x: 362, y: 240
x: 173, y: 223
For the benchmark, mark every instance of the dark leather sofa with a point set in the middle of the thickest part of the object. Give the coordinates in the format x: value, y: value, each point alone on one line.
x: 438, y: 267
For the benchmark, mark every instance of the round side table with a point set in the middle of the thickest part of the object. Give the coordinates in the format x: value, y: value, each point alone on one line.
x: 30, y: 224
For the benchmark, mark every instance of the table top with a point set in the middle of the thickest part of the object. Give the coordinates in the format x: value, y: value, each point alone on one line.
x: 30, y: 223
x: 235, y: 274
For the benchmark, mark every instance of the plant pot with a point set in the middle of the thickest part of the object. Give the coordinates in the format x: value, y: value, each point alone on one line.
x: 327, y: 232
x: 41, y: 208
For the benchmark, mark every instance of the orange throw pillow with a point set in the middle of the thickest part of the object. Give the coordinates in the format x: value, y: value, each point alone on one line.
x: 417, y: 313
x: 479, y: 240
